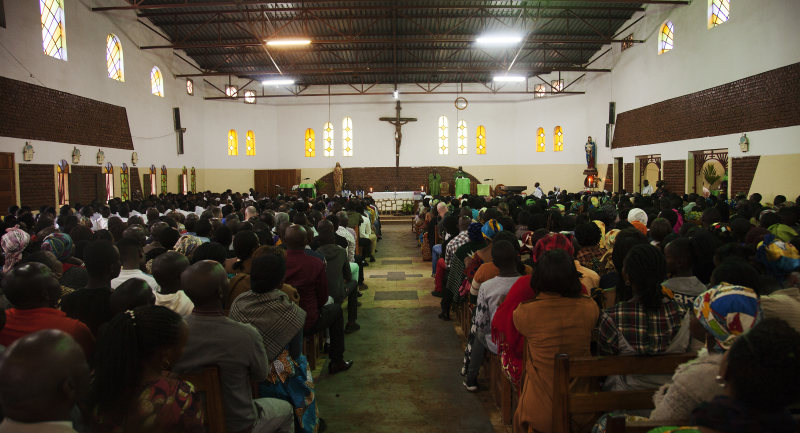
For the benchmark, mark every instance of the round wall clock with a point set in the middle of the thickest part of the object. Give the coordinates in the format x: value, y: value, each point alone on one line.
x: 461, y: 103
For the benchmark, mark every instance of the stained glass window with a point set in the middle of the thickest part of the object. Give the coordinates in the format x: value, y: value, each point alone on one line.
x: 62, y: 170
x: 53, y: 38
x: 347, y: 136
x: 233, y: 143
x: 124, y: 182
x: 540, y: 139
x: 665, y: 37
x: 189, y: 87
x: 153, y: 180
x: 557, y: 85
x: 462, y: 137
x: 540, y: 91
x: 309, y: 143
x: 231, y: 91
x: 250, y: 96
x: 442, y: 131
x: 250, y: 141
x: 480, y: 140
x: 163, y: 179
x: 184, y: 181
x: 718, y: 12
x: 327, y: 138
x: 156, y: 82
x: 558, y: 139
x: 193, y: 180
x: 108, y: 171
x: 114, y: 61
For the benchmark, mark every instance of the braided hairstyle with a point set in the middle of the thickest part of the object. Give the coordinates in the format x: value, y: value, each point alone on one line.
x: 763, y: 365
x: 646, y: 268
x: 130, y: 339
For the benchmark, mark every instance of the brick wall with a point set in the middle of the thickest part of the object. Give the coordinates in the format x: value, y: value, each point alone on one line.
x: 379, y: 178
x: 37, y: 185
x: 742, y: 171
x: 39, y: 113
x: 135, y: 182
x: 674, y: 175
x: 86, y: 190
x: 763, y: 101
x: 609, y: 182
x: 628, y: 175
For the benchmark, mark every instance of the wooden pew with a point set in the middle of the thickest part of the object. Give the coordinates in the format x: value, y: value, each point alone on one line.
x: 206, y: 383
x: 503, y: 392
x: 358, y: 247
x: 566, y: 402
x: 311, y: 349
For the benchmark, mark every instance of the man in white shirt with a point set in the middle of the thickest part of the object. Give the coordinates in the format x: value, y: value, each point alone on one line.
x: 537, y: 191
x: 132, y: 257
x: 647, y: 189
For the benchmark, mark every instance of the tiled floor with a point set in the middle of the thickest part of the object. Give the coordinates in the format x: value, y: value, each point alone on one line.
x: 407, y: 361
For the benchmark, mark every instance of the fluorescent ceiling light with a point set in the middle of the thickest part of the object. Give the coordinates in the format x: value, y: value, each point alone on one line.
x: 509, y: 78
x: 278, y: 82
x: 498, y: 40
x: 287, y: 42
x: 396, y: 94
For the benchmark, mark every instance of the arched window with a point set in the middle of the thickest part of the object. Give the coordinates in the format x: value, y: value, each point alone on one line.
x: 309, y: 143
x: 114, y: 62
x: 233, y: 143
x: 347, y: 136
x: 153, y: 179
x: 184, y: 181
x: 108, y: 171
x: 480, y: 140
x: 250, y: 142
x: 62, y: 170
x: 54, y: 40
x: 327, y: 138
x: 666, y: 37
x: 558, y: 139
x: 540, y: 139
x: 718, y: 12
x: 462, y: 137
x: 441, y: 131
x: 163, y: 179
x: 156, y: 82
x: 124, y: 183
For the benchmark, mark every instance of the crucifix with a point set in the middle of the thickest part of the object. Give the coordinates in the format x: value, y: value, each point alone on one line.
x: 398, y: 123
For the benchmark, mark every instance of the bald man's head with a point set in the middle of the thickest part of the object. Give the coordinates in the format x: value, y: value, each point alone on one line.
x: 343, y: 220
x: 31, y: 285
x: 295, y: 237
x: 463, y: 223
x: 205, y: 282
x: 167, y: 270
x: 42, y: 375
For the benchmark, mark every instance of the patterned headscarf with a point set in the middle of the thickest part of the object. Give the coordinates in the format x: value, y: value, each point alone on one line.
x: 552, y: 241
x: 782, y: 232
x: 602, y: 227
x: 13, y: 242
x: 637, y: 214
x: 778, y: 257
x: 474, y: 232
x: 491, y: 228
x: 638, y: 225
x: 611, y: 238
x: 727, y: 311
x: 187, y: 244
x: 60, y: 244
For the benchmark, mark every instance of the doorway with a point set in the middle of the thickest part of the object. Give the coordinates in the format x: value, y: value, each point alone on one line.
x: 274, y: 182
x: 618, y: 179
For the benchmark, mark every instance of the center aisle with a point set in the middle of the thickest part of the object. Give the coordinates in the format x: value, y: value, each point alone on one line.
x: 407, y: 361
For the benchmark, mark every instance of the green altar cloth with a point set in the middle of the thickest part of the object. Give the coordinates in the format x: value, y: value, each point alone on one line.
x: 483, y: 189
x: 462, y: 186
x: 309, y: 185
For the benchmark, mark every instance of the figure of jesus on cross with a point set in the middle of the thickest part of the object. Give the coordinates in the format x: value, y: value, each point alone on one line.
x: 398, y: 123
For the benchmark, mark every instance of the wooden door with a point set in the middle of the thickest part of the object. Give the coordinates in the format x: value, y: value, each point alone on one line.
x: 273, y: 182
x: 619, y: 179
x: 8, y: 186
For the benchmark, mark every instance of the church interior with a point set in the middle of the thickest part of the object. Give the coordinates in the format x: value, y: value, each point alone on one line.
x: 422, y: 116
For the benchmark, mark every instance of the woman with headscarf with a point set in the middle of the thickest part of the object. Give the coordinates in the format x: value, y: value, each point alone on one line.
x: 455, y: 275
x: 13, y: 243
x: 187, y: 244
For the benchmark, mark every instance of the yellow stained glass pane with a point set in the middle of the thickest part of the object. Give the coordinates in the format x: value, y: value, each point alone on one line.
x: 666, y: 38
x: 114, y: 60
x: 54, y: 41
x: 250, y: 143
x: 718, y: 11
x: 558, y: 139
x: 310, y: 148
x: 480, y: 140
x: 156, y: 82
x: 327, y: 138
x: 462, y: 137
x: 233, y: 143
x: 444, y: 142
x: 347, y: 136
x: 540, y: 139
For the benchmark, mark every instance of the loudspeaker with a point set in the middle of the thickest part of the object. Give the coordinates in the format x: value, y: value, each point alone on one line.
x: 176, y: 118
x: 612, y: 108
x: 609, y: 134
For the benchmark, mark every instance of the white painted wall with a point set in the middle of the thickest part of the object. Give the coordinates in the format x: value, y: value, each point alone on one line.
x: 760, y: 36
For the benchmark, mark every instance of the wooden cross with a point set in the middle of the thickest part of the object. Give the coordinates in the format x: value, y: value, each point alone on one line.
x: 398, y: 122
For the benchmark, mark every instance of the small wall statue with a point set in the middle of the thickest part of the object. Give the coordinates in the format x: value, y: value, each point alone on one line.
x: 591, y: 153
x: 134, y: 158
x: 76, y: 156
x: 744, y: 143
x: 101, y: 157
x: 27, y: 152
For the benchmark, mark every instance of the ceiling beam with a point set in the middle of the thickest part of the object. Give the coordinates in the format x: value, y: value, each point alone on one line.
x: 379, y: 40
x: 535, y: 94
x: 370, y: 71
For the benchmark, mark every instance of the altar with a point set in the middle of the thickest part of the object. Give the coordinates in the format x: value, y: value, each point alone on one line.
x: 394, y: 201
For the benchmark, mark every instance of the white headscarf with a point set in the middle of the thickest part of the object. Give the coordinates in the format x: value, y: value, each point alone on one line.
x: 637, y: 214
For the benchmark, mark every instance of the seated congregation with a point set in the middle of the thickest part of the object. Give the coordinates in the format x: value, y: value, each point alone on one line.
x: 179, y: 313
x: 601, y: 312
